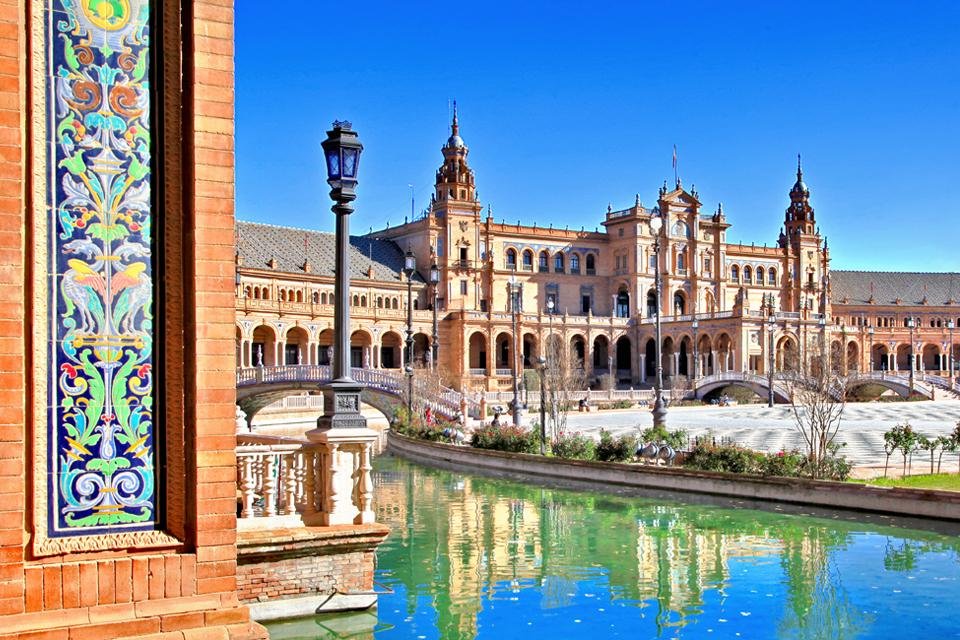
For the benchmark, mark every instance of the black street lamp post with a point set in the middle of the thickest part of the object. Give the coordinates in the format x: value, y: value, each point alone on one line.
x: 435, y: 344
x: 870, y: 337
x: 341, y: 398
x: 409, y: 268
x: 542, y: 361
x: 515, y: 289
x: 771, y: 364
x: 913, y: 364
x: 696, y: 356
x: 659, y: 409
x: 950, y: 325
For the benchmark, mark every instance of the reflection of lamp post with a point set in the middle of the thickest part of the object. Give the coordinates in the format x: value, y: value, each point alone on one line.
x: 341, y: 399
x: 543, y: 405
x: 913, y: 365
x: 950, y: 326
x: 771, y: 325
x: 435, y: 345
x: 514, y: 308
x: 870, y: 338
x: 659, y: 410
x: 409, y: 267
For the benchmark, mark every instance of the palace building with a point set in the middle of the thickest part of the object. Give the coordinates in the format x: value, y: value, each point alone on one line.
x: 502, y: 289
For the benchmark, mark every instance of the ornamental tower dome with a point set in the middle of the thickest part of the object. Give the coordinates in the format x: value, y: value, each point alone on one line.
x: 455, y: 178
x: 799, y: 215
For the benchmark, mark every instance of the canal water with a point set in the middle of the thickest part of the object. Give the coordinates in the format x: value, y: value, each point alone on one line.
x: 476, y: 557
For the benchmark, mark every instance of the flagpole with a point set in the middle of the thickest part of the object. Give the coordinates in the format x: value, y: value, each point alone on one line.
x: 676, y: 173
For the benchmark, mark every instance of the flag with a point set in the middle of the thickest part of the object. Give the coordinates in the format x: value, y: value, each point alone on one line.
x: 674, y: 157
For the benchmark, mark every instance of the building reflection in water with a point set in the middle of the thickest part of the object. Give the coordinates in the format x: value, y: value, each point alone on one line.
x: 460, y: 542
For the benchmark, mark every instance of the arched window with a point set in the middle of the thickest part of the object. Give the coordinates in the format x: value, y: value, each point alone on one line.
x: 681, y: 261
x: 558, y: 263
x: 591, y: 264
x: 747, y: 275
x: 680, y: 229
x: 679, y: 303
x: 266, y: 293
x: 356, y: 300
x: 299, y: 296
x: 772, y: 276
x: 395, y: 304
x: 379, y: 302
x: 283, y: 295
x: 734, y: 273
x: 247, y: 292
x: 575, y: 263
x: 363, y: 301
x: 511, y: 258
x: 544, y: 261
x: 651, y: 303
x: 316, y: 297
x: 256, y: 293
x: 528, y: 260
x: 760, y: 276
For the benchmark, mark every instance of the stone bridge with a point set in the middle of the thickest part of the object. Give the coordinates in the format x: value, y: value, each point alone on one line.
x: 922, y: 385
x: 258, y: 387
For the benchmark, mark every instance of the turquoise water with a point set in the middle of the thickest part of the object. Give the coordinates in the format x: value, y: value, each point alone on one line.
x: 475, y: 557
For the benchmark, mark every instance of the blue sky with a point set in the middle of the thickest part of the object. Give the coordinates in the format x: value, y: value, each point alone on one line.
x: 566, y: 108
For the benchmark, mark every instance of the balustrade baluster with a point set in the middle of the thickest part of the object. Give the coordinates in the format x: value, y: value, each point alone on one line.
x: 289, y: 484
x: 269, y: 485
x: 310, y: 467
x: 247, y: 486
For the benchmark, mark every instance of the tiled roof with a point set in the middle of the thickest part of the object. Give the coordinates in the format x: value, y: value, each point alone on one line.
x: 258, y: 243
x: 856, y: 287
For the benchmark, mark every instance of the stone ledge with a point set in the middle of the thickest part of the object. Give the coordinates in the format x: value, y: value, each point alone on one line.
x: 911, y: 503
x: 256, y: 545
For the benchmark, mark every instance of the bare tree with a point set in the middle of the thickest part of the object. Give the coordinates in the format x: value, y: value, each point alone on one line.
x: 564, y: 379
x: 680, y: 386
x: 817, y: 393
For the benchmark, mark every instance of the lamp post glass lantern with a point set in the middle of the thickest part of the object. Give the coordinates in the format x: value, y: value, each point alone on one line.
x: 659, y: 409
x: 341, y: 398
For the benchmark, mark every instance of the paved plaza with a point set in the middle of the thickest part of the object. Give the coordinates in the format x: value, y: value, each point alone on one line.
x: 765, y: 429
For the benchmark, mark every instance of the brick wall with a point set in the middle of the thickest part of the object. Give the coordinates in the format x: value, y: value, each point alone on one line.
x: 279, y: 578
x: 188, y: 591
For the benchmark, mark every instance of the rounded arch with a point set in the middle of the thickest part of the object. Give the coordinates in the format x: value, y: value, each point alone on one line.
x: 325, y: 347
x: 685, y: 356
x: 578, y: 350
x: 504, y: 350
x: 709, y: 302
x: 421, y: 347
x: 558, y: 262
x: 477, y: 354
x: 591, y: 263
x: 651, y: 303
x: 679, y: 302
x: 853, y: 356
x: 601, y: 353
x: 531, y: 349
x: 264, y: 345
x: 623, y: 302
x: 240, y: 340
x: 772, y: 276
x: 704, y: 354
x: 930, y: 357
x: 297, y: 342
x: 624, y: 357
x: 760, y: 274
x: 880, y: 359
x: 787, y: 356
x: 527, y: 260
x: 747, y: 275
x: 723, y: 349
x: 574, y: 263
x: 391, y: 345
x: 650, y: 358
x: 543, y: 262
x: 511, y: 258
x: 360, y: 349
x: 903, y: 357
x: 734, y: 273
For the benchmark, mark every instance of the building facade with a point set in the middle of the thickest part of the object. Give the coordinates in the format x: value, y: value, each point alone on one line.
x: 503, y: 289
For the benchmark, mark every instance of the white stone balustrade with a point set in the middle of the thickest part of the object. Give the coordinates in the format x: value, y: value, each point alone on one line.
x: 285, y: 482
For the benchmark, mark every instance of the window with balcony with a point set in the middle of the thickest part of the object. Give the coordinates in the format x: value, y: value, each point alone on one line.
x: 734, y: 273
x: 772, y: 277
x: 528, y: 260
x: 760, y: 276
x: 544, y: 262
x: 464, y: 257
x: 511, y: 258
x: 575, y: 263
x: 747, y: 275
x: 591, y: 265
x: 558, y: 263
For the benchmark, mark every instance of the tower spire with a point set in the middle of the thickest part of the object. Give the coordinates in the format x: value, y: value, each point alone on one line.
x: 799, y: 168
x: 455, y: 127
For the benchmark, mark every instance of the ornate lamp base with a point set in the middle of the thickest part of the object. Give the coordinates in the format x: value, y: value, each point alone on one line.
x: 341, y: 406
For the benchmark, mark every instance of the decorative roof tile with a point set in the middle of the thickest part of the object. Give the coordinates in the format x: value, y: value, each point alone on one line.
x: 887, y: 288
x: 287, y: 249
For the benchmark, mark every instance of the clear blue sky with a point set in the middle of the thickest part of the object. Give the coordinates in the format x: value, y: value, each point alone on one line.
x: 566, y: 108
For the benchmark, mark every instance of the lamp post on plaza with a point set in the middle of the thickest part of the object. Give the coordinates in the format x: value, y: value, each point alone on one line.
x: 341, y: 398
x: 542, y: 362
x: 696, y: 358
x: 435, y: 344
x: 950, y: 326
x: 910, y: 324
x: 409, y: 267
x: 515, y: 289
x: 771, y: 325
x: 659, y: 410
x: 550, y: 307
x: 870, y: 338
x: 824, y: 354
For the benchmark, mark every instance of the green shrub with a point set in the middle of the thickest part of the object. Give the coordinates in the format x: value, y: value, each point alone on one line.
x: 785, y: 464
x: 575, y: 446
x: 417, y: 427
x: 506, y: 438
x: 742, y: 395
x: 724, y: 457
x: 676, y: 439
x: 622, y: 404
x: 619, y: 449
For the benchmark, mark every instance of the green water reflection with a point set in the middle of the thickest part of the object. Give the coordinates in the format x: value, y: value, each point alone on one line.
x: 475, y: 557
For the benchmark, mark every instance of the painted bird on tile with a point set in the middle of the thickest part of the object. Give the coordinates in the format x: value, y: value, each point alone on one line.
x: 84, y: 289
x: 135, y: 290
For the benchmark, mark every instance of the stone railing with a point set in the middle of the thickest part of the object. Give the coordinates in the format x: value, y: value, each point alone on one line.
x: 288, y: 482
x: 612, y: 395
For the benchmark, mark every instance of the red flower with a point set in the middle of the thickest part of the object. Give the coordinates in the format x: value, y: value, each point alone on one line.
x: 70, y: 370
x: 143, y: 370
